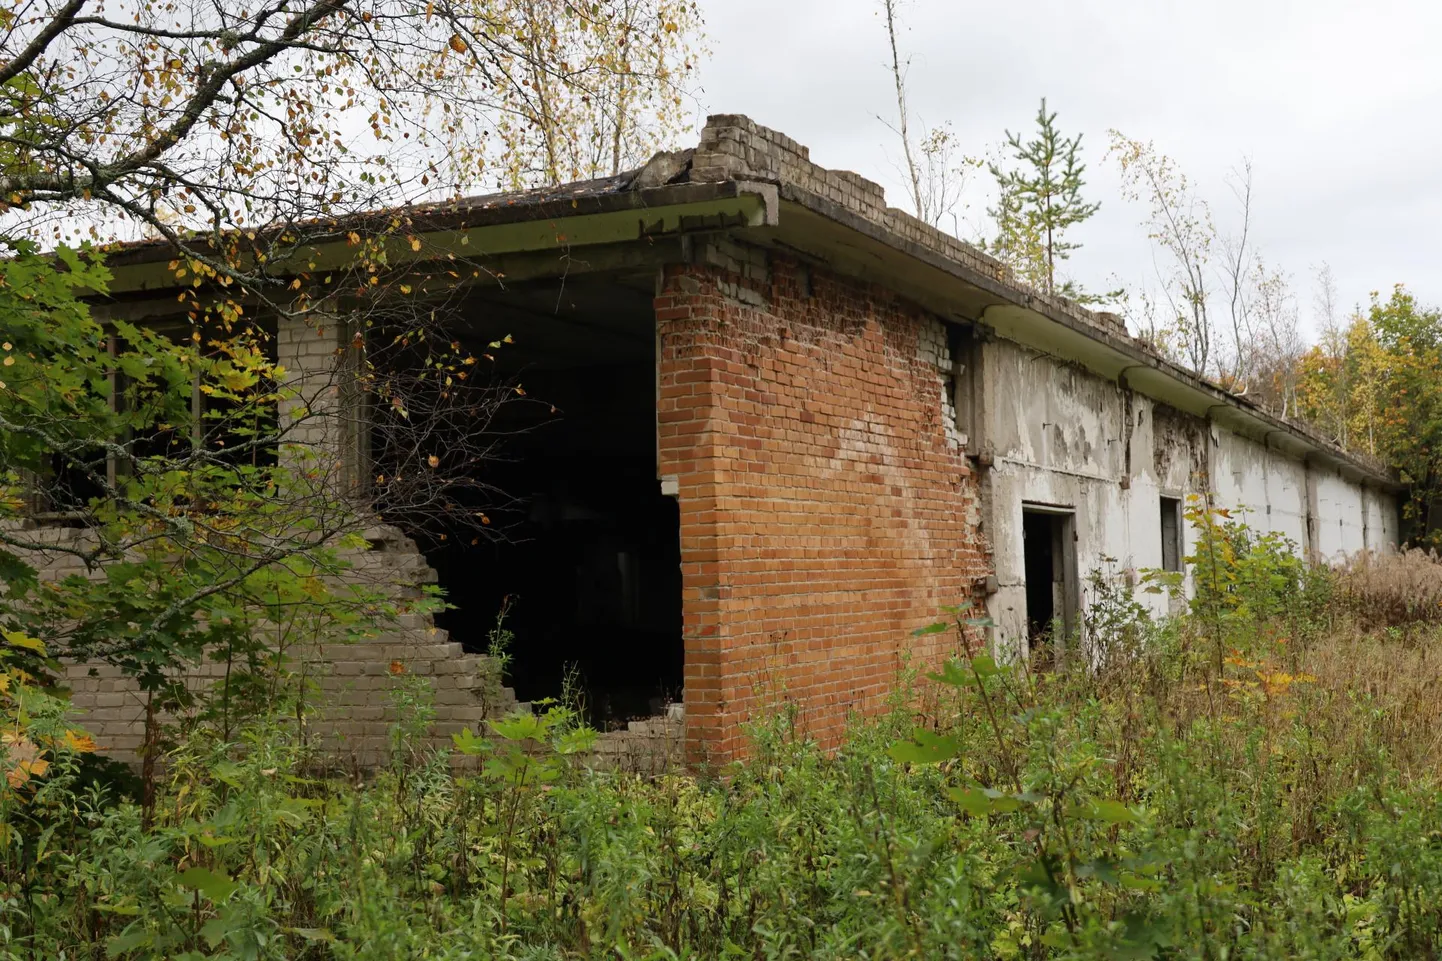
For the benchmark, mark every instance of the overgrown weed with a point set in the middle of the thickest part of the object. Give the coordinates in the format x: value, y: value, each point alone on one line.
x: 1278, y: 801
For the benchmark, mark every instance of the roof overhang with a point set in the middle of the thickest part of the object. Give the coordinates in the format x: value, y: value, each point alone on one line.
x: 856, y: 245
x: 788, y: 217
x: 495, y: 229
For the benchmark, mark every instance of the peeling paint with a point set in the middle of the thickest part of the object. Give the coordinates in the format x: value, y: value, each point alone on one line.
x: 1068, y: 438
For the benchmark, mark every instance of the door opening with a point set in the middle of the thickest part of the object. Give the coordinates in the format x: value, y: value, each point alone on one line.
x: 580, y: 546
x: 1049, y: 553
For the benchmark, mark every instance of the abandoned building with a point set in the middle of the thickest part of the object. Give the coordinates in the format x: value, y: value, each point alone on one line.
x: 794, y: 424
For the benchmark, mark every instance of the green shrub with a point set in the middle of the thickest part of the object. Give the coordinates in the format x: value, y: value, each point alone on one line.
x: 1284, y: 806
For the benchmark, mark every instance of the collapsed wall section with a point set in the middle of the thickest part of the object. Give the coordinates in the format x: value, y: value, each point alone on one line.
x: 352, y: 702
x: 826, y: 507
x: 351, y: 708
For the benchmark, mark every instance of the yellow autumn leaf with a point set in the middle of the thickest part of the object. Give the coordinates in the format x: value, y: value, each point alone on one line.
x: 458, y: 44
x: 21, y: 639
x: 35, y: 768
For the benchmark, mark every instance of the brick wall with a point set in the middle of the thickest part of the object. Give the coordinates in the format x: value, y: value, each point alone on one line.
x: 352, y: 704
x: 325, y: 436
x: 736, y: 147
x: 826, y: 508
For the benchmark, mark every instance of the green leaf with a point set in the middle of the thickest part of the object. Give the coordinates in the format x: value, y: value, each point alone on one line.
x: 128, y: 941
x: 214, y: 840
x: 294, y: 811
x: 1058, y: 939
x: 21, y: 639
x: 353, y: 541
x: 971, y: 801
x: 981, y: 801
x: 467, y: 743
x: 984, y: 666
x: 311, y: 934
x: 952, y: 675
x: 937, y: 628
x: 1103, y: 869
x: 1141, y: 939
x: 925, y: 747
x: 215, y: 930
x: 228, y: 772
x: 215, y: 885
x: 518, y: 727
x: 1003, y: 803
x: 1111, y: 812
x: 576, y: 741
x: 1035, y: 875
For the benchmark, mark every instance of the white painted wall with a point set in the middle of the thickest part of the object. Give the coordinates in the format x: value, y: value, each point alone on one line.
x: 1059, y: 436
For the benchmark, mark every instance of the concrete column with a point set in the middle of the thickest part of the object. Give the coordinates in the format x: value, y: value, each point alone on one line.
x: 1314, y: 547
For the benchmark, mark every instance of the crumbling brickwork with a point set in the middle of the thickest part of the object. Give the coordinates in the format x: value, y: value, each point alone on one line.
x: 826, y: 509
x: 736, y: 147
x: 327, y: 428
x: 353, y: 681
x: 653, y: 745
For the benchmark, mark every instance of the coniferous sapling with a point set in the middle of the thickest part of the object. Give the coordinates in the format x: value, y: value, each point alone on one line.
x: 1040, y: 200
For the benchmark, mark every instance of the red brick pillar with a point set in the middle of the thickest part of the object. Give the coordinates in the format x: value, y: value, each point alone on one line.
x: 690, y: 426
x: 827, y: 509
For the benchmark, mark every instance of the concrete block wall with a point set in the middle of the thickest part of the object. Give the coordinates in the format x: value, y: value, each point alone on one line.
x: 1067, y: 438
x: 353, y: 706
x: 653, y: 745
x: 826, y: 508
x: 323, y: 413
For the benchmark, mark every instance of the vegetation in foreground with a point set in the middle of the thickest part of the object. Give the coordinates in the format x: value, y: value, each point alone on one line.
x: 1255, y: 778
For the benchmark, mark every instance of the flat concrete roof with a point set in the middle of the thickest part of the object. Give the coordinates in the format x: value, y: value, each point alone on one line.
x: 747, y: 179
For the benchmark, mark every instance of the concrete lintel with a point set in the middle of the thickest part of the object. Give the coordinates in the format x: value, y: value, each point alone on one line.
x: 554, y: 224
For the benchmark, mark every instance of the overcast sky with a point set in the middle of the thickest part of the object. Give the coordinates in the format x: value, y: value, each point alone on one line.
x: 1337, y: 103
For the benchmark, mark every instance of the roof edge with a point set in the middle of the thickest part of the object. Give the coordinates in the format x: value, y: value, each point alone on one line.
x: 735, y: 147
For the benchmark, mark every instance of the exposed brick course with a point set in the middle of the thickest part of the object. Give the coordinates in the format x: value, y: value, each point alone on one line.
x: 826, y: 509
x: 736, y: 147
x: 353, y: 681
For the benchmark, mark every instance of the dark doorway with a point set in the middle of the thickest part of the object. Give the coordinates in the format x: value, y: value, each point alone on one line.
x: 581, y: 549
x: 1050, y: 564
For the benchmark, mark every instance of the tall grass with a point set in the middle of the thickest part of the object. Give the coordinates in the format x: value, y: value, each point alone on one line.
x: 1144, y: 806
x: 1393, y: 589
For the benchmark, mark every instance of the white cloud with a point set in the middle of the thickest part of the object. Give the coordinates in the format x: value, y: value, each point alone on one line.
x: 1334, y: 102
